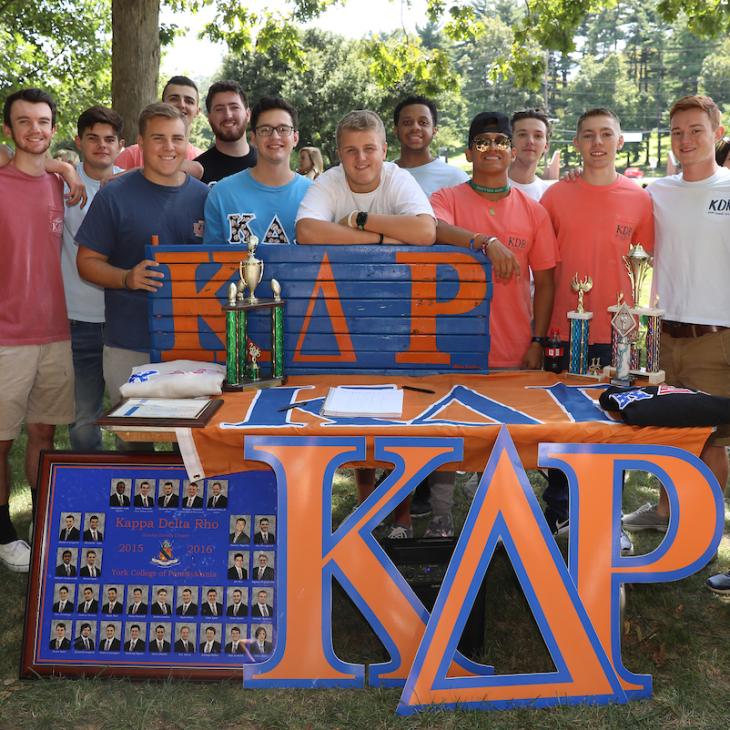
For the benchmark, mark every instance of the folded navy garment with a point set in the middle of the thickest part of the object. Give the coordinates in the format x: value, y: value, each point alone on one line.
x: 665, y: 405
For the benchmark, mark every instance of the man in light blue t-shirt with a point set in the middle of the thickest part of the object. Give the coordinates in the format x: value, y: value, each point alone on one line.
x: 263, y: 200
x: 99, y: 141
x: 415, y: 119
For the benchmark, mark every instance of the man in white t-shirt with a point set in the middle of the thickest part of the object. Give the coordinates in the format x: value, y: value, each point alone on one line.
x: 415, y: 121
x: 692, y: 261
x: 365, y: 199
x: 530, y: 139
x: 99, y: 139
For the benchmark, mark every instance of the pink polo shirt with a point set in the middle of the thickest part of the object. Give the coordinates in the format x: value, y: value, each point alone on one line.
x: 33, y: 310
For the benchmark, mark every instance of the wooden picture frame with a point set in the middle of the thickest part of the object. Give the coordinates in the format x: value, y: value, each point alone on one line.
x: 119, y: 417
x: 129, y: 554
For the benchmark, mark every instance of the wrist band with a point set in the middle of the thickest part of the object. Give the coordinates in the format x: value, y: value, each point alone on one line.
x: 349, y: 218
x: 124, y: 279
x: 473, y: 240
x: 489, y: 242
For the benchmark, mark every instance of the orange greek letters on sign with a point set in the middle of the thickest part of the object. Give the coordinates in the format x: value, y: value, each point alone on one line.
x: 314, y: 556
x: 505, y: 509
x: 595, y: 563
x: 424, y: 302
x: 325, y: 287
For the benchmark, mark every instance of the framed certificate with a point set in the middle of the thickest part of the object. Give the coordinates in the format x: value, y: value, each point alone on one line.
x: 161, y: 412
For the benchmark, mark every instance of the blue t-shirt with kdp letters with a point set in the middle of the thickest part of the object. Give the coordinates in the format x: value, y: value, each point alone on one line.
x: 124, y: 216
x: 239, y: 206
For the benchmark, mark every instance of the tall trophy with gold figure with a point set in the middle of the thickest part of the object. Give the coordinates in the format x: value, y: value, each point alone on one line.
x: 579, y: 327
x: 243, y: 369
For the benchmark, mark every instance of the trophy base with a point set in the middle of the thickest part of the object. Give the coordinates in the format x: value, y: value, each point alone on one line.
x: 653, y: 378
x: 248, y: 384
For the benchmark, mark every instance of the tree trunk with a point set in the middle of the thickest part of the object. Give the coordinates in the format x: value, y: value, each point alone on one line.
x: 135, y: 59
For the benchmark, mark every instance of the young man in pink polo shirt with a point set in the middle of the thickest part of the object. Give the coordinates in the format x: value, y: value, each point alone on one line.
x: 35, y: 342
x: 182, y: 93
x: 515, y: 233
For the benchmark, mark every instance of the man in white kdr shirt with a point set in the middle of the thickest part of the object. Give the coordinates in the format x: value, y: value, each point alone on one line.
x: 692, y: 265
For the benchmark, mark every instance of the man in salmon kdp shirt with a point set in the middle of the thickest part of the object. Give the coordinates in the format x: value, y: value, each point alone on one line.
x: 487, y: 212
x: 35, y: 343
x: 596, y: 218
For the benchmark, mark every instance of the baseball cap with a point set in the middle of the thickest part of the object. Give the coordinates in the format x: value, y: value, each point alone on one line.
x: 489, y: 122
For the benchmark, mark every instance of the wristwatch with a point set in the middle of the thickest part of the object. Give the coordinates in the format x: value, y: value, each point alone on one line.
x: 542, y: 341
x: 361, y: 219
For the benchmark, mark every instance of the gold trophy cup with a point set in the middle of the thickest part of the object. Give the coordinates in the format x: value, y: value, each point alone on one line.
x: 251, y: 270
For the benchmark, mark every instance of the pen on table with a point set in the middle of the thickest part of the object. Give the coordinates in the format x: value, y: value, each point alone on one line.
x: 418, y: 390
x: 299, y: 403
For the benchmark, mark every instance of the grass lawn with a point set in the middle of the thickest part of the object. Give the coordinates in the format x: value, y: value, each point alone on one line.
x: 677, y: 632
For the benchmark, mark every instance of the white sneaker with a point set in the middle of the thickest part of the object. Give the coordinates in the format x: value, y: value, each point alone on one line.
x: 627, y: 547
x: 16, y: 556
x: 400, y: 532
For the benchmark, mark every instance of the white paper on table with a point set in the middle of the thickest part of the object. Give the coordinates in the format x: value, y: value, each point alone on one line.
x: 364, y: 402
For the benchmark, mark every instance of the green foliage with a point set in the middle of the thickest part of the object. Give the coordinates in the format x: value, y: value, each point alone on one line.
x: 61, y: 46
x: 714, y: 78
x: 338, y: 75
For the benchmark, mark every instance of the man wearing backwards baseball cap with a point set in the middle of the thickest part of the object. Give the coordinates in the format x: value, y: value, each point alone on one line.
x: 514, y: 231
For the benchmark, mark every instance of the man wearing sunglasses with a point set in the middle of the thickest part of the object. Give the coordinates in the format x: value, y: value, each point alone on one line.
x: 262, y: 200
x: 514, y: 232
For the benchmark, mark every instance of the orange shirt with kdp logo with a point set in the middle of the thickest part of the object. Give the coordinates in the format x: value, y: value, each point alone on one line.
x: 595, y: 225
x: 521, y: 225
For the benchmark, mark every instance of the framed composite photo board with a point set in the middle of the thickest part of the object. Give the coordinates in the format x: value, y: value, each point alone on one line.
x: 138, y: 572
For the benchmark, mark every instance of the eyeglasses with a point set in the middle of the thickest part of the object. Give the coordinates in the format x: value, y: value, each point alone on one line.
x: 500, y: 142
x: 266, y: 130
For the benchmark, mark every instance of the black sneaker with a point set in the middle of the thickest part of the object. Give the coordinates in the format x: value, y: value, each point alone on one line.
x: 420, y: 508
x: 560, y: 527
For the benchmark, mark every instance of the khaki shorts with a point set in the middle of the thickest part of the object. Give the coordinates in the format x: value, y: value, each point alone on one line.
x: 700, y: 363
x: 37, y: 386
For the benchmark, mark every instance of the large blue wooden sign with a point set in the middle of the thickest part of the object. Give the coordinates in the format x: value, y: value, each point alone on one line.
x: 348, y: 308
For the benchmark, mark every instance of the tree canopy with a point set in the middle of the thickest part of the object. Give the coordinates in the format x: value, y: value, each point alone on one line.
x: 470, y: 54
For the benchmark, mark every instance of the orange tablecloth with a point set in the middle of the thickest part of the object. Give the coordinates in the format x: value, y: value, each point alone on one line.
x: 220, y: 450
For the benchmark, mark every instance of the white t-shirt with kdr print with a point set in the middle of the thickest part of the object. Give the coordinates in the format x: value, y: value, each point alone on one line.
x: 692, y: 248
x: 330, y: 198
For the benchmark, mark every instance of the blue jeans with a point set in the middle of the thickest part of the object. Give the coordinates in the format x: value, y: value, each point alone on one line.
x: 555, y: 495
x: 87, y: 344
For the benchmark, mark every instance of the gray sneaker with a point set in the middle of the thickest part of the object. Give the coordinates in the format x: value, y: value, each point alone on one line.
x: 440, y: 526
x: 645, y: 518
